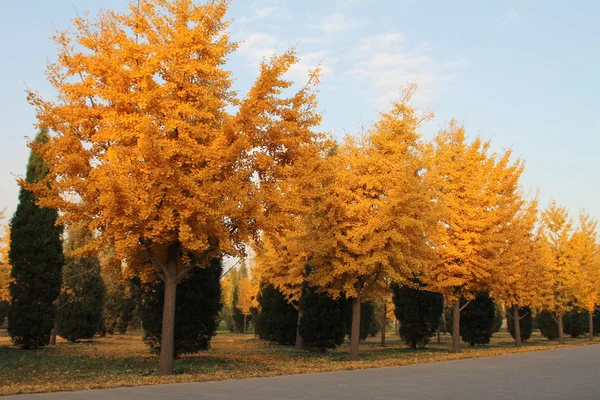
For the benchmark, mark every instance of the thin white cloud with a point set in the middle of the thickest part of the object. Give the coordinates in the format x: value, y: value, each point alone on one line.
x: 299, y: 72
x: 265, y: 12
x: 258, y: 46
x: 508, y: 19
x: 265, y: 9
x: 338, y: 23
x: 383, y: 64
x: 383, y: 41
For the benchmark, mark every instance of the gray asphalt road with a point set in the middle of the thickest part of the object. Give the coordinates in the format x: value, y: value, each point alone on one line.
x: 564, y: 374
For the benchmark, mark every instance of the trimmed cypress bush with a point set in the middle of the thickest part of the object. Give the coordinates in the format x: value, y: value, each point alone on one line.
x: 576, y: 322
x: 477, y: 320
x: 498, y: 318
x: 80, y: 304
x: 198, y: 304
x: 419, y: 313
x: 367, y: 315
x: 36, y: 257
x: 525, y: 323
x: 276, y: 319
x: 3, y: 311
x: 548, y: 326
x: 323, y: 323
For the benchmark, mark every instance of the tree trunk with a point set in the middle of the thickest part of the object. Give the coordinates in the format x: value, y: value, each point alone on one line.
x: 53, y: 337
x: 591, y: 325
x: 561, y: 333
x: 456, y: 327
x: 299, y: 342
x: 244, y: 329
x: 167, y: 341
x: 396, y: 327
x: 517, y: 322
x: 355, y: 332
x: 55, y: 327
x: 439, y: 338
x: 384, y: 323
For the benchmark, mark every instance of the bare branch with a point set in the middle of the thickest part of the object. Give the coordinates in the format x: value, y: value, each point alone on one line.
x: 466, y: 304
x: 230, y: 268
x: 183, y: 272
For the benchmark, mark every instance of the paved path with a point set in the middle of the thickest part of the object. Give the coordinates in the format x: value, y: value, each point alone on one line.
x: 565, y: 374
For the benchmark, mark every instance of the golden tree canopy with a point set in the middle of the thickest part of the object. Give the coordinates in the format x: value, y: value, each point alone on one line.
x: 4, y: 264
x: 477, y: 192
x: 586, y: 257
x: 151, y: 145
x: 563, y: 273
x: 370, y: 224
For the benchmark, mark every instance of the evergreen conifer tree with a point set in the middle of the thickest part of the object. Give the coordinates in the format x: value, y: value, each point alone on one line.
x: 576, y: 322
x: 367, y: 319
x: 419, y: 313
x: 197, y: 305
x: 82, y: 296
x: 324, y: 320
x: 276, y: 319
x: 477, y: 319
x: 548, y: 325
x: 498, y: 318
x: 36, y: 256
x: 526, y: 322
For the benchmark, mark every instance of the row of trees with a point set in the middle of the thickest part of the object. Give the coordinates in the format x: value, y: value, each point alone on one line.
x: 447, y: 216
x: 152, y: 148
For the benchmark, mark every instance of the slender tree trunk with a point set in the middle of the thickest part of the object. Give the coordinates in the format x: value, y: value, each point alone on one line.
x: 244, y: 328
x: 299, y: 341
x: 167, y: 342
x: 355, y: 332
x: 517, y: 323
x: 456, y: 327
x: 396, y: 327
x: 54, y: 333
x: 561, y: 333
x: 54, y: 327
x: 439, y: 338
x: 591, y: 325
x: 384, y: 323
x: 444, y: 325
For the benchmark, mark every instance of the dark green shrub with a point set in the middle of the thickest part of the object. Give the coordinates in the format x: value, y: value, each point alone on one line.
x: 498, y: 318
x: 3, y: 311
x: 548, y: 325
x: 323, y: 323
x: 526, y: 322
x: 36, y: 257
x: 367, y: 315
x: 80, y: 304
x: 276, y: 319
x: 477, y: 320
x: 198, y: 304
x: 419, y: 313
x: 576, y: 322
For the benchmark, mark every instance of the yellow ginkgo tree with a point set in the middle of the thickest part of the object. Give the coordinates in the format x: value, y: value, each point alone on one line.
x: 369, y: 228
x: 4, y: 264
x: 521, y: 273
x: 586, y: 257
x: 477, y: 195
x: 152, y: 147
x: 558, y: 296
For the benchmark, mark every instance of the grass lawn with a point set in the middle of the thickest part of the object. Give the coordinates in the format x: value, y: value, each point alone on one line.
x: 123, y: 360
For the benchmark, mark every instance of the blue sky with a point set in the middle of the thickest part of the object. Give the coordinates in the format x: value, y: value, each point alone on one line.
x: 523, y: 73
